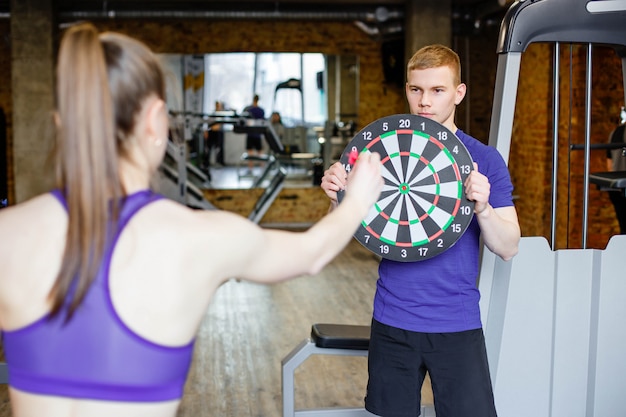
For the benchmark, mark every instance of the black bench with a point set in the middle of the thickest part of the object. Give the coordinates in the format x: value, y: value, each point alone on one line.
x: 326, y: 339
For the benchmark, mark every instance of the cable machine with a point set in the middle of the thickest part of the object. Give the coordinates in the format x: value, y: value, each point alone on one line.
x: 553, y: 318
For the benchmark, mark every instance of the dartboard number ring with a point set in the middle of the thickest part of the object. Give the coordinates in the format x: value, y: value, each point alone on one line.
x: 422, y: 210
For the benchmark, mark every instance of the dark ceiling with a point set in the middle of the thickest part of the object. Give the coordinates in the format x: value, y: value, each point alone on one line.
x: 203, y: 4
x: 467, y: 15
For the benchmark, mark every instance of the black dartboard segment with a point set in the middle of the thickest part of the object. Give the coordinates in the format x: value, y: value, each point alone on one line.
x: 422, y: 209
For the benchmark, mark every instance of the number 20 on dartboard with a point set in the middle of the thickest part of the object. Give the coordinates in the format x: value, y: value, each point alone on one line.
x: 422, y: 210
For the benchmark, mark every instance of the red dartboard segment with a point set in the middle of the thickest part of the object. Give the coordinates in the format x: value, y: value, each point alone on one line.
x: 422, y: 209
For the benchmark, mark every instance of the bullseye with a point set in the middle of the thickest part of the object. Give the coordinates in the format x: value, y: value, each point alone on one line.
x: 422, y: 209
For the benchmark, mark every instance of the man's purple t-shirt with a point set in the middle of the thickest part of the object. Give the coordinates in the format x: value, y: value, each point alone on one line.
x: 440, y: 294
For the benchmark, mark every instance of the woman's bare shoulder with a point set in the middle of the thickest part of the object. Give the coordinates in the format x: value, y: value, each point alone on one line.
x: 171, y: 218
x: 43, y: 211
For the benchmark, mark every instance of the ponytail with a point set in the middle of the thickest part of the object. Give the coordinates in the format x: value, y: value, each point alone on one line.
x: 86, y: 160
x: 103, y: 81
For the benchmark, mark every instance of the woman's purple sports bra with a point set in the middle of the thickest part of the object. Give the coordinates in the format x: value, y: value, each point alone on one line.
x: 95, y: 355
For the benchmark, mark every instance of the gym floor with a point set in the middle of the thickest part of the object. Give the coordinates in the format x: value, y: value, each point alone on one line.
x: 250, y: 328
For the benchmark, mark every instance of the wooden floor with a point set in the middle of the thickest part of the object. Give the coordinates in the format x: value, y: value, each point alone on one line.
x: 249, y: 328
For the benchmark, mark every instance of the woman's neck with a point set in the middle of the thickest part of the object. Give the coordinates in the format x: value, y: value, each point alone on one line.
x: 133, y: 176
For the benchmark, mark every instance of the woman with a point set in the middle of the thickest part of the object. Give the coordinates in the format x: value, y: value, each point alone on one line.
x: 104, y: 282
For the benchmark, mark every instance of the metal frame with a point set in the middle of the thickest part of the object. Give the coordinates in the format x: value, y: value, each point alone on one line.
x: 552, y: 317
x: 294, y: 359
x: 526, y: 22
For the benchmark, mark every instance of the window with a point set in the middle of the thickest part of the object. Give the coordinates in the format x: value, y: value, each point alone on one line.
x: 286, y: 82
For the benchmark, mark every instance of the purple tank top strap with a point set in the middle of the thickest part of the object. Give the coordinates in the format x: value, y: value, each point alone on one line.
x: 59, y: 196
x: 130, y: 204
x: 133, y: 203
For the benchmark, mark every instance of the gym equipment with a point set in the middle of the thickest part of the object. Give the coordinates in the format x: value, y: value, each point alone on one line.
x: 613, y: 180
x: 186, y: 177
x: 290, y: 84
x: 245, y: 125
x: 183, y: 181
x: 422, y: 209
x: 185, y: 173
x: 609, y: 180
x: 327, y: 339
x: 553, y: 318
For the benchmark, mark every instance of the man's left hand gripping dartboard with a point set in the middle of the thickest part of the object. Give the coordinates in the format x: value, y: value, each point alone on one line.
x: 422, y: 209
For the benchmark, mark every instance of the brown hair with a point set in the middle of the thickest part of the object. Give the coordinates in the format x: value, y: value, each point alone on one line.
x: 433, y: 56
x: 102, y: 82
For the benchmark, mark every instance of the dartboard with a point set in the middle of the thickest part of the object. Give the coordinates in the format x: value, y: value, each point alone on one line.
x: 422, y: 209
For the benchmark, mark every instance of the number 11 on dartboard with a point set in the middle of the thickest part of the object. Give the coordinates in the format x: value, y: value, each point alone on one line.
x: 422, y: 209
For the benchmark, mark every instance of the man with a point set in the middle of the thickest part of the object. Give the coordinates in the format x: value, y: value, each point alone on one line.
x: 253, y: 140
x: 426, y: 314
x: 215, y: 139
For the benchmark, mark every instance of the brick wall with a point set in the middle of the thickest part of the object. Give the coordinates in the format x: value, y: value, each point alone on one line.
x: 530, y: 162
x: 5, y: 95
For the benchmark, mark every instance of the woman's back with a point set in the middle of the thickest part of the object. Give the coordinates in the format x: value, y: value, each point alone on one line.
x: 153, y: 317
x: 30, y: 253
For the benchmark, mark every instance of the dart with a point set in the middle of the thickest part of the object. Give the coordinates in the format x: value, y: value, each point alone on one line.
x: 354, y: 154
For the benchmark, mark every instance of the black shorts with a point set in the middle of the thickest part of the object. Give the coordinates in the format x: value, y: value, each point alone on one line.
x: 456, y: 362
x: 254, y: 142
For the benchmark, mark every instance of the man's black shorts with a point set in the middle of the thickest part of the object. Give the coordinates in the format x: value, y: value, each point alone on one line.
x: 456, y: 362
